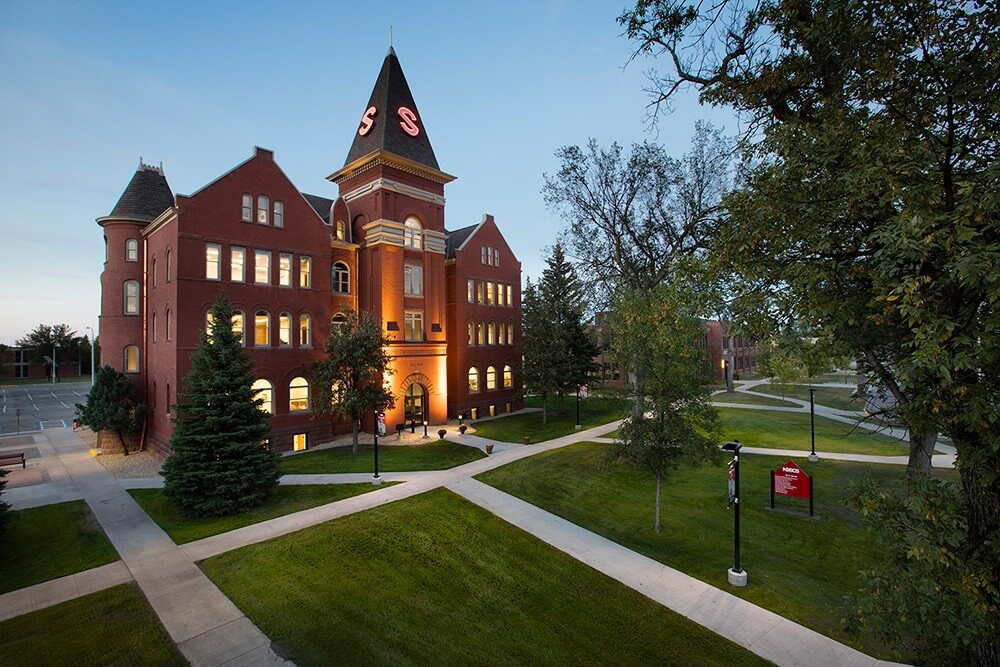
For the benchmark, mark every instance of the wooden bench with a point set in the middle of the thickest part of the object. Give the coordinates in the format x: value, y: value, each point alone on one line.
x: 13, y: 459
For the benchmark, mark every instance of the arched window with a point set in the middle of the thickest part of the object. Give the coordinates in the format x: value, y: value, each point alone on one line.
x: 168, y: 398
x: 209, y: 318
x: 284, y: 329
x: 501, y: 334
x: 262, y: 329
x: 131, y: 359
x: 264, y: 392
x: 169, y: 265
x: 166, y: 329
x: 131, y: 297
x: 491, y: 333
x: 247, y: 208
x: 279, y: 214
x: 131, y: 250
x: 152, y: 271
x: 508, y: 377
x: 305, y: 330
x: 152, y: 329
x: 473, y: 379
x: 298, y: 395
x: 510, y: 333
x: 341, y: 230
x: 480, y: 334
x: 341, y: 278
x: 412, y: 236
x: 239, y: 326
x: 491, y: 377
x: 262, y: 206
x: 472, y: 333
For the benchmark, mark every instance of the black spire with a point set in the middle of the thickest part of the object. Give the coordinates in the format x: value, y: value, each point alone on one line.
x: 391, y: 121
x: 146, y: 196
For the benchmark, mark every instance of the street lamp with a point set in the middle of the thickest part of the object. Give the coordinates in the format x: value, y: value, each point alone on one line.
x: 578, y: 406
x: 92, y: 341
x: 737, y: 575
x: 812, y: 424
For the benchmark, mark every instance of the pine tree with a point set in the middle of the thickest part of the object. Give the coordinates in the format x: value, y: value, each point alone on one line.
x: 220, y: 463
x: 111, y: 405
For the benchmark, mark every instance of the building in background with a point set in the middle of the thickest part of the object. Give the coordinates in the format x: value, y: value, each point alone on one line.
x: 291, y: 263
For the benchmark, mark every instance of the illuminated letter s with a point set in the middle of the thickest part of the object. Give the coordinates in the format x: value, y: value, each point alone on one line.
x: 408, y: 121
x: 367, y: 121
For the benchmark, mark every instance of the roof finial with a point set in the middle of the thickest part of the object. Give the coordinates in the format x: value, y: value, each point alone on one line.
x: 390, y: 37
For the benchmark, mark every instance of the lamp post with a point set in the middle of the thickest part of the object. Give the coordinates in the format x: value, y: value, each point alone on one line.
x: 577, y: 406
x: 425, y: 428
x: 737, y: 575
x: 812, y: 424
x: 92, y: 338
x: 375, y: 478
x: 54, y: 364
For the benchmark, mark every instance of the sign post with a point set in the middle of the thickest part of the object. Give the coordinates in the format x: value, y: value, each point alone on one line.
x: 812, y: 424
x: 737, y: 575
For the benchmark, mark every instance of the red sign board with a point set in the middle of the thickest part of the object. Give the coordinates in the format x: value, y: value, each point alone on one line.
x: 789, y: 480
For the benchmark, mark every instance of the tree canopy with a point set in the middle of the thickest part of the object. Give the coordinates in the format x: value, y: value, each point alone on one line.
x: 111, y: 405
x: 351, y: 380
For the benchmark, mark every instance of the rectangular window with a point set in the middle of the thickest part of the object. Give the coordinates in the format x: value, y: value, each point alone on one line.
x: 499, y: 294
x: 510, y: 292
x: 472, y: 291
x: 479, y: 291
x: 413, y: 326
x: 489, y: 294
x: 285, y: 270
x: 237, y: 264
x: 483, y: 249
x: 413, y: 280
x: 305, y: 272
x: 262, y: 267
x: 213, y: 261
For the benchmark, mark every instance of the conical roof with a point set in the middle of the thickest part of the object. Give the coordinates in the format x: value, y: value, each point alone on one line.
x: 391, y: 121
x: 146, y: 196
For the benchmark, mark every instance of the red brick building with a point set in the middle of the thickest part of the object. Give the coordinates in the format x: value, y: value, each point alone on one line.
x: 290, y: 264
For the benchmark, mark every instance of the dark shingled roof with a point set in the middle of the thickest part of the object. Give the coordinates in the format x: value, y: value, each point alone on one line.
x: 391, y: 92
x: 456, y: 239
x: 321, y: 205
x: 147, y: 195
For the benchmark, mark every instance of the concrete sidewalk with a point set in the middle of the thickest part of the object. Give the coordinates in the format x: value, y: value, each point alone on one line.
x: 768, y: 635
x: 207, y: 627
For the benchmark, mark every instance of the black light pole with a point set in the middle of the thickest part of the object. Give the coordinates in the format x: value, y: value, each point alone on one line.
x: 737, y: 576
x: 812, y: 424
x: 425, y: 428
x: 578, y: 406
x: 375, y: 478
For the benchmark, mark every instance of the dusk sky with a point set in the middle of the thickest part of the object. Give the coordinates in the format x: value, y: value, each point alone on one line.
x: 89, y: 88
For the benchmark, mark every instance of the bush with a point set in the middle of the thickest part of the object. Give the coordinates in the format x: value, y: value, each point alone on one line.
x: 442, y: 433
x: 462, y: 429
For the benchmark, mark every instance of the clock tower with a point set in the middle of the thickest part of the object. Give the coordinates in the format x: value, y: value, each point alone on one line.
x: 391, y: 208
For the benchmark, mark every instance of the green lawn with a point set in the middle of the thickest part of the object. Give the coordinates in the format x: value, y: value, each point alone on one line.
x: 436, y: 580
x: 434, y: 455
x: 111, y: 627
x: 593, y: 412
x: 838, y: 398
x: 741, y: 398
x: 285, y: 500
x: 49, y: 542
x: 799, y: 567
x: 790, y: 430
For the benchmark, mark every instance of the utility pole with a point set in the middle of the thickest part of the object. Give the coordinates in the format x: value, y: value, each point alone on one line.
x: 92, y: 343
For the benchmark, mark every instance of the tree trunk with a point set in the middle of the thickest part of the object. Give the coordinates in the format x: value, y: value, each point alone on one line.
x: 354, y: 434
x: 656, y: 523
x: 545, y: 408
x: 921, y: 451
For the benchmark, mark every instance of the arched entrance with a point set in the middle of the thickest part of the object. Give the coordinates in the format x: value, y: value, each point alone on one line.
x: 415, y: 404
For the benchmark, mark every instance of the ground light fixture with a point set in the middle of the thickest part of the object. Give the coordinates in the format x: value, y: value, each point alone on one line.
x: 737, y: 575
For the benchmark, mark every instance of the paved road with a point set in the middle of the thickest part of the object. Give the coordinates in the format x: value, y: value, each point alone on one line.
x: 33, y: 407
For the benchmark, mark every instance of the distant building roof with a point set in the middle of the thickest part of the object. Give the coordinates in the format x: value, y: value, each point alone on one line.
x: 146, y: 196
x: 457, y: 238
x: 321, y: 205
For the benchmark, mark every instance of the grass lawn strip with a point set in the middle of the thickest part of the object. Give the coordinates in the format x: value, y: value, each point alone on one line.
x: 838, y: 398
x: 799, y: 567
x: 743, y: 398
x: 593, y: 412
x: 434, y: 455
x: 52, y: 541
x: 434, y: 579
x: 790, y: 430
x: 115, y: 626
x: 285, y: 500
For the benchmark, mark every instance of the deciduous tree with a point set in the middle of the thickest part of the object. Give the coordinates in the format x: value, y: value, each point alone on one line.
x: 111, y: 405
x: 350, y: 381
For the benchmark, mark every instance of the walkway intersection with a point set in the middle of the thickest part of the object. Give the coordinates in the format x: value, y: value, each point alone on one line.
x: 211, y: 631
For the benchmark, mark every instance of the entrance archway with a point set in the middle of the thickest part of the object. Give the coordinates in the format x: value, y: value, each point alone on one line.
x: 415, y: 404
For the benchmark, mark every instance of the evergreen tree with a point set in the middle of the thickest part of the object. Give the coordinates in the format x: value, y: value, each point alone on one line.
x: 111, y: 405
x: 351, y: 380
x: 220, y: 462
x: 542, y: 347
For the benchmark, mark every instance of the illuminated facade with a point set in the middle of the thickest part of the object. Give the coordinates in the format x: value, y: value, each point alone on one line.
x: 291, y: 263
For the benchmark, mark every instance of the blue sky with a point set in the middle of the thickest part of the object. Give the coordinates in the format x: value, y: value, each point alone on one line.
x: 88, y: 88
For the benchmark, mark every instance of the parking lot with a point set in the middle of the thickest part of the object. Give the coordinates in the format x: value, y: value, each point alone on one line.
x: 32, y: 407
